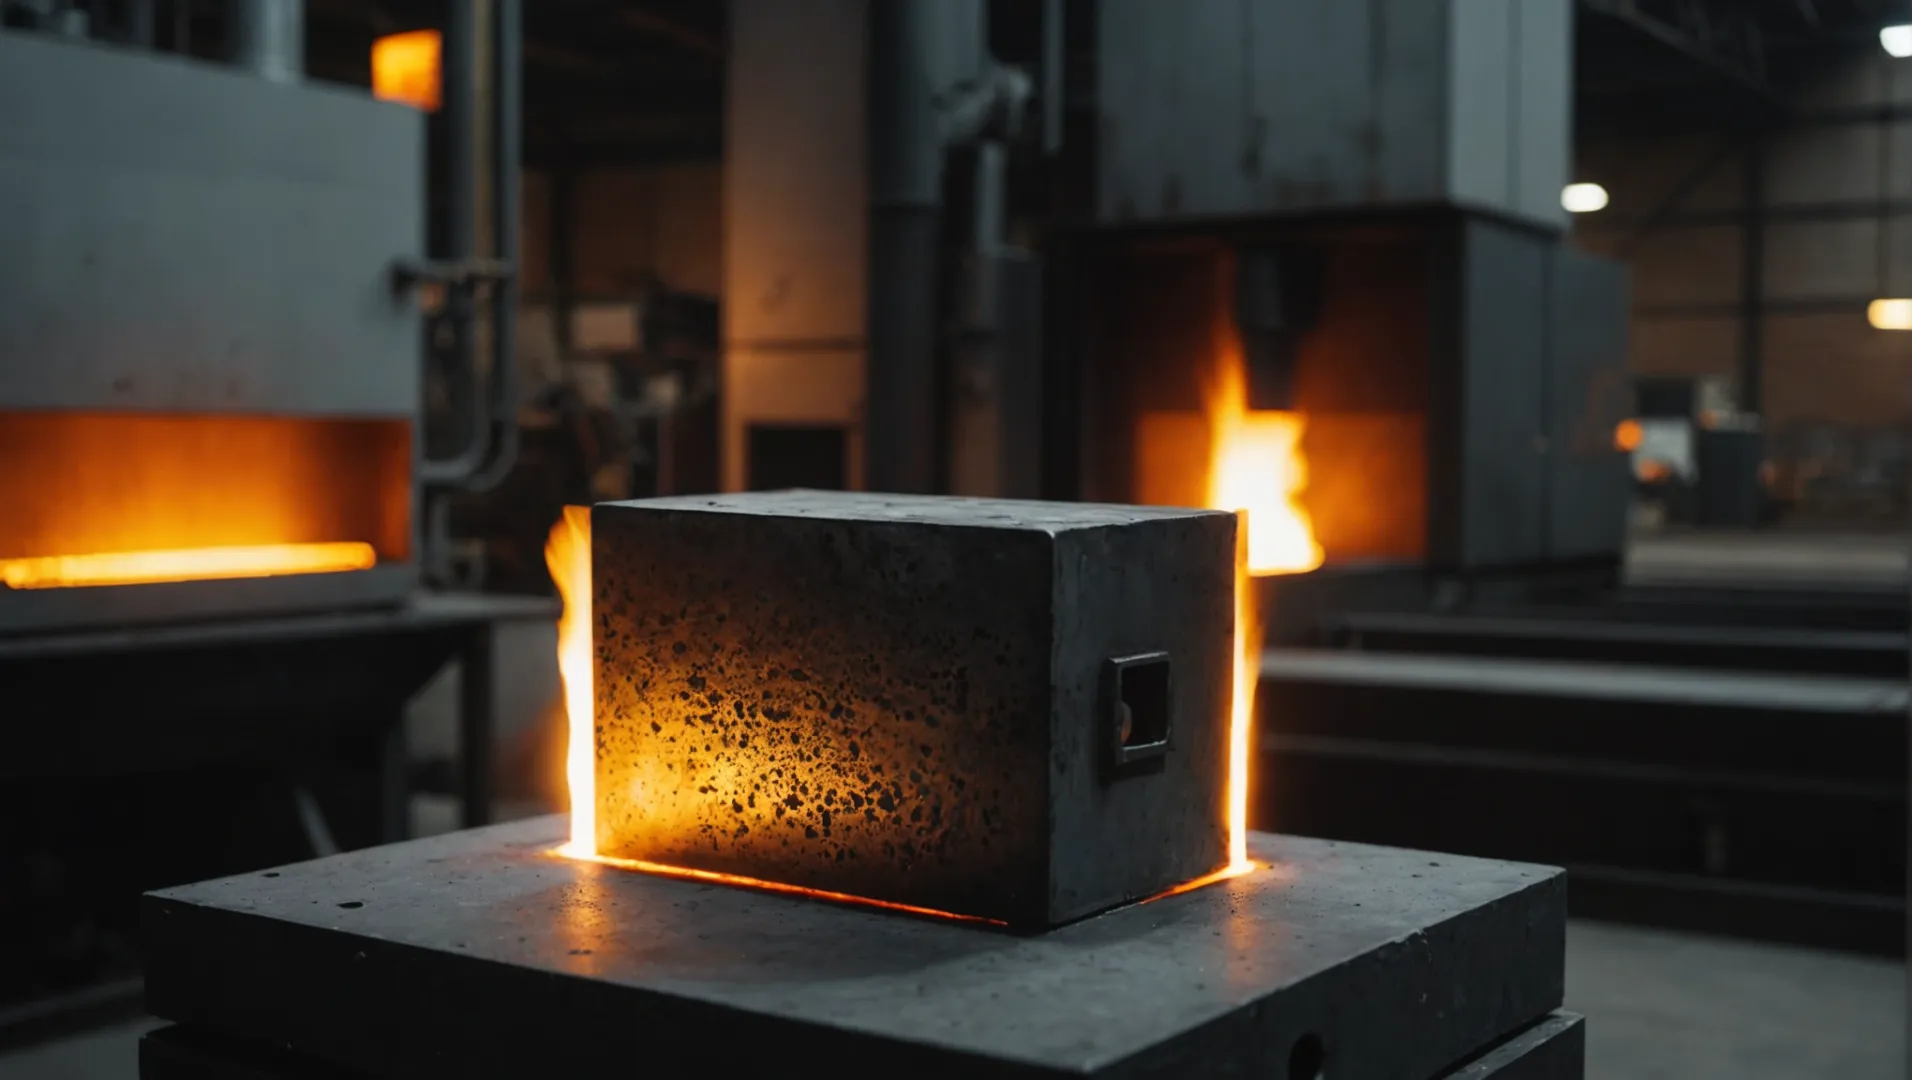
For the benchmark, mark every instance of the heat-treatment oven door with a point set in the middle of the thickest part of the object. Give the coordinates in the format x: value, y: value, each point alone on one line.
x: 209, y: 389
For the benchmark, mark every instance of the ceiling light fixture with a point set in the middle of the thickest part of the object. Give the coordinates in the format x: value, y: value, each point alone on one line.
x: 1583, y: 198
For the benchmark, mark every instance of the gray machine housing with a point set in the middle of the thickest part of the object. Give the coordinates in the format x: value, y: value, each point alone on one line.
x: 1525, y: 470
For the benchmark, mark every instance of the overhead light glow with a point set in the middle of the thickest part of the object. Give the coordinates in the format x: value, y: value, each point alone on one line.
x: 1890, y: 314
x: 1583, y: 198
x: 1897, y: 40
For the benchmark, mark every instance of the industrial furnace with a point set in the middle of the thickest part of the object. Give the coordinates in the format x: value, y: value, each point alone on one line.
x: 212, y: 485
x: 1205, y: 251
x: 210, y: 387
x: 1452, y: 379
x: 1368, y: 304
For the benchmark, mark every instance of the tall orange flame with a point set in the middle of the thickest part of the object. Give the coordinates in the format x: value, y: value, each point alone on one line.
x: 1241, y: 712
x: 1255, y: 469
x: 568, y: 556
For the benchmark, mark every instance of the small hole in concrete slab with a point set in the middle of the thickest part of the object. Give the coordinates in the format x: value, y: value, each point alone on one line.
x: 271, y: 873
x: 1307, y: 1059
x: 351, y: 904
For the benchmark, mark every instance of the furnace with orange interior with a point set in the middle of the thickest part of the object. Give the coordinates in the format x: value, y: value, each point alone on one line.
x: 1446, y: 378
x: 209, y: 388
x: 1336, y: 230
x: 210, y: 380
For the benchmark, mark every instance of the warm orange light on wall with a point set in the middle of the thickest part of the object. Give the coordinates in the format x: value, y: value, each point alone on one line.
x: 405, y: 69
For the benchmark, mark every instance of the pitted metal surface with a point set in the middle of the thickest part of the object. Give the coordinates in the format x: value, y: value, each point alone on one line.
x: 896, y: 697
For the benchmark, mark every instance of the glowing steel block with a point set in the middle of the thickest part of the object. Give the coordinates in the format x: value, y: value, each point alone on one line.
x: 1012, y: 710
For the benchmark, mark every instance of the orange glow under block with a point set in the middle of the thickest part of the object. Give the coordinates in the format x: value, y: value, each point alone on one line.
x: 569, y: 851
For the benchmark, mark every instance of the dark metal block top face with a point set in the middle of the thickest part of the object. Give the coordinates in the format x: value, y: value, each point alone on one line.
x: 890, y: 696
x: 853, y: 506
x: 482, y: 953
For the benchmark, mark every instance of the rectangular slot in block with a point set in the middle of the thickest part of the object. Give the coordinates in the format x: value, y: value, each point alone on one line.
x: 1141, y: 708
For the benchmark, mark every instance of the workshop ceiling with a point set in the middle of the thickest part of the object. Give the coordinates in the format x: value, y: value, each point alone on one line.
x: 606, y: 82
x: 1707, y: 64
x: 641, y: 81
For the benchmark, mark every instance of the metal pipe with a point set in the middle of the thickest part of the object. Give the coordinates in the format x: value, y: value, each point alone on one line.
x: 493, y: 446
x: 75, y: 22
x: 1752, y: 284
x: 458, y: 114
x: 906, y: 156
x: 268, y: 38
x: 139, y: 22
x: 507, y: 135
x: 988, y: 198
x: 1053, y: 75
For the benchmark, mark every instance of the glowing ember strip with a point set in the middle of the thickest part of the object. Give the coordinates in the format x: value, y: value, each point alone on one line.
x: 567, y: 851
x: 1241, y: 711
x: 185, y: 564
x: 1232, y: 870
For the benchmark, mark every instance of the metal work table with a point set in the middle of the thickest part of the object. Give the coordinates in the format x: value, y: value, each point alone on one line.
x: 170, y: 694
x: 167, y: 753
x: 1565, y: 636
x: 1681, y: 797
x: 481, y: 953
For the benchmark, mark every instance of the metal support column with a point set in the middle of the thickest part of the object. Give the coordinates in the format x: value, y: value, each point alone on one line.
x: 562, y: 205
x: 906, y: 159
x: 1752, y: 287
x: 139, y: 28
x: 394, y: 782
x: 268, y: 38
x: 476, y: 726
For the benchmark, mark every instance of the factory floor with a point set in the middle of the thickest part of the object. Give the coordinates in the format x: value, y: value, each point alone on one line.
x: 1659, y: 1005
